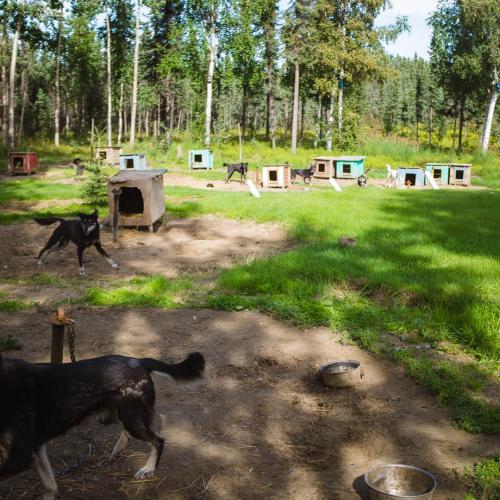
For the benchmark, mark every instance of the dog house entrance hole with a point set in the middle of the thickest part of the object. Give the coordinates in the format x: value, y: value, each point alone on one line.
x: 459, y: 175
x: 273, y: 175
x: 321, y: 167
x: 129, y: 163
x: 18, y: 162
x: 437, y: 173
x: 102, y: 155
x: 198, y: 158
x: 411, y: 178
x: 346, y: 169
x: 131, y: 201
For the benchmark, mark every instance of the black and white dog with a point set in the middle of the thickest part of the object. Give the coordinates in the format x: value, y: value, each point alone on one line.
x: 305, y: 173
x: 41, y: 401
x: 241, y: 168
x: 83, y: 232
x: 362, y: 179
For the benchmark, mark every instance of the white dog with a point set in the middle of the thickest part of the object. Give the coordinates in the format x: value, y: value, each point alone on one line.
x: 392, y: 175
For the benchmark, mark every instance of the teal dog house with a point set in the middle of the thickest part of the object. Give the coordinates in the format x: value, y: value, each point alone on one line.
x: 440, y: 172
x: 200, y: 158
x: 410, y: 177
x: 349, y: 167
x: 135, y: 161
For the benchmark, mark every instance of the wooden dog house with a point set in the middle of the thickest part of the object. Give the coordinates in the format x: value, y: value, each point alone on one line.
x: 200, y: 158
x: 25, y: 163
x: 276, y: 176
x: 142, y: 200
x: 440, y: 172
x: 460, y: 174
x: 136, y: 161
x: 109, y: 155
x: 341, y: 167
x: 410, y: 177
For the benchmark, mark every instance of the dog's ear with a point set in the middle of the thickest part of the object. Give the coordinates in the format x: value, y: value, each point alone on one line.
x: 81, y: 216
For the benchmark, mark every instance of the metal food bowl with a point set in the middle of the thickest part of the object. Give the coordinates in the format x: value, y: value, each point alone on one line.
x: 388, y: 482
x: 344, y: 373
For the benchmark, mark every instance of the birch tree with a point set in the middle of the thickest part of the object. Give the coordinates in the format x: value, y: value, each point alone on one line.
x: 133, y: 111
x: 109, y: 88
x: 12, y: 84
x: 57, y: 100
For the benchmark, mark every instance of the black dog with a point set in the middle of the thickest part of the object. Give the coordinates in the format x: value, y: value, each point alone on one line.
x: 83, y: 232
x: 41, y: 401
x: 241, y: 168
x: 305, y: 173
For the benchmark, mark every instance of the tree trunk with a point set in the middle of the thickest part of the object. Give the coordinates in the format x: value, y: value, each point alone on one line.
x: 461, y: 124
x: 302, y: 117
x: 329, y: 125
x: 212, y: 45
x: 120, y: 115
x: 431, y: 124
x: 146, y: 123
x: 108, y: 70
x: 133, y: 111
x: 12, y: 84
x: 158, y: 117
x: 490, y: 113
x: 341, y: 104
x: 295, y: 112
x: 24, y: 97
x: 318, y: 123
x: 5, y: 85
x: 244, y: 106
x: 57, y: 103
x: 268, y: 41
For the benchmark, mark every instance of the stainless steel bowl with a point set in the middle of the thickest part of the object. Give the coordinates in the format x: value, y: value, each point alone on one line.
x: 390, y: 482
x: 344, y: 373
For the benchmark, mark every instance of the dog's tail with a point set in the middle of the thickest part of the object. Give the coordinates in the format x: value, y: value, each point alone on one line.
x: 47, y: 221
x: 189, y: 369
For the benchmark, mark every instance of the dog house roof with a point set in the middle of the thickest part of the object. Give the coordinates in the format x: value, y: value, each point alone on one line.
x: 136, y: 175
x: 341, y: 158
x: 131, y: 155
x: 419, y: 169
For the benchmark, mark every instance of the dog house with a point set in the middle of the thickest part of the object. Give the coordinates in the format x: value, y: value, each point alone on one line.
x: 460, y: 174
x: 136, y: 161
x: 440, y: 172
x: 342, y: 167
x: 200, y: 158
x: 22, y: 163
x: 142, y: 200
x: 276, y: 176
x: 410, y: 177
x: 110, y: 155
x: 349, y: 167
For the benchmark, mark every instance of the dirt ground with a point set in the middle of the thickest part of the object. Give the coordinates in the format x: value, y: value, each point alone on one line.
x: 180, y: 245
x: 260, y: 425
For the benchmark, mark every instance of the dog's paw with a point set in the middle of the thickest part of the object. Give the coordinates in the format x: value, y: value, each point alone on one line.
x: 82, y: 272
x: 38, y: 263
x: 115, y: 265
x: 144, y: 472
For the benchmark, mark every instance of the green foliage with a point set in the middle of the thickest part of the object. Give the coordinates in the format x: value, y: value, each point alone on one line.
x: 9, y: 343
x: 95, y: 187
x: 484, y: 479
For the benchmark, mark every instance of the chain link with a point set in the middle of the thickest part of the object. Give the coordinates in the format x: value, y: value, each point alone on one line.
x: 70, y: 332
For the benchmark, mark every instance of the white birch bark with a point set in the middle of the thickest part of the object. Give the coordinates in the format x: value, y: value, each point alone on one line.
x: 490, y: 112
x: 57, y: 103
x: 108, y: 70
x: 212, y: 45
x: 329, y: 125
x: 12, y: 84
x: 133, y: 111
x: 295, y: 111
x: 120, y: 115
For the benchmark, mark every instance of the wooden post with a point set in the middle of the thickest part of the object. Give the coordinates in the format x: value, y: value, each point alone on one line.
x: 58, y: 322
x: 116, y: 212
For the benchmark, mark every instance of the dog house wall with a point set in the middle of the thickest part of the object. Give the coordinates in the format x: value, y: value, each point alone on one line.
x: 324, y: 167
x: 150, y: 185
x: 460, y: 174
x: 136, y: 161
x: 349, y: 167
x: 22, y: 163
x: 200, y: 158
x: 109, y: 155
x: 414, y: 174
x: 276, y: 176
x: 440, y: 172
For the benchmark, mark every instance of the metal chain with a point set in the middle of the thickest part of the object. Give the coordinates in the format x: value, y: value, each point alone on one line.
x: 84, y: 458
x: 70, y: 331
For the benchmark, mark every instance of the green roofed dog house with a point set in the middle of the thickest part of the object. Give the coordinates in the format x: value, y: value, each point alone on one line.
x: 440, y: 172
x: 342, y: 167
x: 200, y: 158
x: 134, y: 161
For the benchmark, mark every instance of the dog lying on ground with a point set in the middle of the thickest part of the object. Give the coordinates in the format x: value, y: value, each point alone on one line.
x: 241, y: 168
x: 362, y: 180
x: 41, y: 401
x: 305, y: 173
x: 83, y: 232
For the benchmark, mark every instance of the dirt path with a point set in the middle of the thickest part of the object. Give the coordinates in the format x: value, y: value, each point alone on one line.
x: 261, y: 425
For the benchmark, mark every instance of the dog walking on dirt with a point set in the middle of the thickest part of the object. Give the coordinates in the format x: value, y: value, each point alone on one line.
x: 83, y: 232
x: 41, y: 401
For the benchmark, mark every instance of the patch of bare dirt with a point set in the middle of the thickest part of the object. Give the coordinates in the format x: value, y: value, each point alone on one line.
x: 180, y: 245
x: 261, y: 425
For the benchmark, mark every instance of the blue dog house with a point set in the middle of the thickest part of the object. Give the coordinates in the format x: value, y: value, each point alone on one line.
x: 440, y: 172
x: 136, y: 161
x: 349, y: 167
x: 200, y: 158
x: 410, y: 177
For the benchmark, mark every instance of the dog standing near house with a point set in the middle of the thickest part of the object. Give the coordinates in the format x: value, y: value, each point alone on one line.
x: 41, y: 401
x: 83, y: 232
x: 241, y: 168
x: 305, y: 173
x: 392, y: 175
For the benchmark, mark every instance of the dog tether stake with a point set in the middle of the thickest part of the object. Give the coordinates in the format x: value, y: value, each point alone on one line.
x: 60, y: 323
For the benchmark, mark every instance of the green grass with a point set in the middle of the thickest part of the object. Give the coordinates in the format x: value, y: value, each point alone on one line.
x: 9, y: 343
x: 29, y: 189
x: 484, y: 479
x: 151, y: 291
x: 7, y: 305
